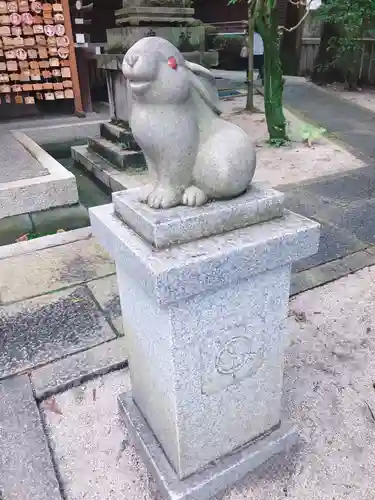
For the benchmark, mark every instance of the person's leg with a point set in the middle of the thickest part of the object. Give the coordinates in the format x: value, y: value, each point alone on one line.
x: 256, y: 63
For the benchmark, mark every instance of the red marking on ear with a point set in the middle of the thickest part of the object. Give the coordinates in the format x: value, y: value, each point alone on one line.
x: 172, y: 63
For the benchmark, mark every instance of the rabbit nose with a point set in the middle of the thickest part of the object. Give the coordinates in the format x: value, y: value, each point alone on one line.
x: 131, y: 60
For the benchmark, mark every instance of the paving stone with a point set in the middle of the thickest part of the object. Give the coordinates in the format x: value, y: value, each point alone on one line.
x: 24, y: 276
x: 360, y: 220
x: 319, y: 275
x: 344, y: 189
x: 301, y: 282
x: 359, y: 260
x: 49, y: 327
x: 105, y: 291
x: 329, y: 271
x: 352, y: 124
x: 26, y: 469
x: 327, y: 380
x: 300, y: 200
x: 75, y: 369
x: 346, y: 204
x: 334, y: 244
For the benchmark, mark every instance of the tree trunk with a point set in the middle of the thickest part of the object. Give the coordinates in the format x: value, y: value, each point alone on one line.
x: 325, y: 69
x: 273, y: 79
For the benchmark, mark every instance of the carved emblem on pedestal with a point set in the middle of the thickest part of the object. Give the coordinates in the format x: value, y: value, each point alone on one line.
x: 225, y: 361
x: 233, y: 356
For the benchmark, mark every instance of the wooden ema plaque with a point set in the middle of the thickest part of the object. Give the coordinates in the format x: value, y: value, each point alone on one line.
x: 37, y: 55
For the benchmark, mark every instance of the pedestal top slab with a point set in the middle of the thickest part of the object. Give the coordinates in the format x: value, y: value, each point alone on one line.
x: 164, y: 228
x: 185, y: 270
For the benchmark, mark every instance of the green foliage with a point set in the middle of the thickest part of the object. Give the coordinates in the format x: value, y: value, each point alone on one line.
x: 229, y: 48
x: 353, y: 20
x: 278, y: 143
x: 355, y: 15
x: 311, y: 134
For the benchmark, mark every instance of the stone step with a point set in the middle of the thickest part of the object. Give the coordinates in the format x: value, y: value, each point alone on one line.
x: 117, y: 134
x: 120, y: 158
x: 104, y: 171
x: 150, y: 19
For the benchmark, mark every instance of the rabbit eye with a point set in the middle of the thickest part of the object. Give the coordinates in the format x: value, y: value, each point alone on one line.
x: 172, y: 63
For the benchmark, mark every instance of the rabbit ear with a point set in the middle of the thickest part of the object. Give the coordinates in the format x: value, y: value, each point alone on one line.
x: 204, y: 83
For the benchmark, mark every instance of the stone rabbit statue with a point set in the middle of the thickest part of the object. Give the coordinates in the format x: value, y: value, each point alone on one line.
x: 193, y: 156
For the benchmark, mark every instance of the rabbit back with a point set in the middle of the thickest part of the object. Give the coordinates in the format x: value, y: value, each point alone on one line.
x: 226, y: 161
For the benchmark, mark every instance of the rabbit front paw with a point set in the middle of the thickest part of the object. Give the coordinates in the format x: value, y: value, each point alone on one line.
x: 164, y: 197
x: 194, y: 197
x: 145, y: 192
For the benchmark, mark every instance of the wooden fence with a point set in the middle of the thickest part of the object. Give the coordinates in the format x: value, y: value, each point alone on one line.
x: 365, y: 68
x: 309, y: 50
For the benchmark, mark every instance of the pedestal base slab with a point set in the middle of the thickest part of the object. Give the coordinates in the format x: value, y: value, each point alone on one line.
x: 215, y: 478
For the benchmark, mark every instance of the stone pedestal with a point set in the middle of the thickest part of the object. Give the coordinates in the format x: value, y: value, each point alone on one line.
x: 204, y: 295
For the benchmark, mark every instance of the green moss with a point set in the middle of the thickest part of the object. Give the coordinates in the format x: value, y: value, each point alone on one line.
x: 117, y: 48
x: 120, y: 123
x: 229, y: 48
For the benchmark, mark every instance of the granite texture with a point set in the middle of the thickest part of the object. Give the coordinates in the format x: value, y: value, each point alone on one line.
x: 180, y: 272
x: 74, y: 370
x: 218, y: 476
x: 182, y: 224
x: 205, y: 321
x: 26, y: 468
x: 187, y: 377
x: 49, y: 327
x: 193, y: 155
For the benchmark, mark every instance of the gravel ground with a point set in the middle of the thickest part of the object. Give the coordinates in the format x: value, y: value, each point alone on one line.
x: 364, y: 98
x: 329, y: 394
x: 295, y: 162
